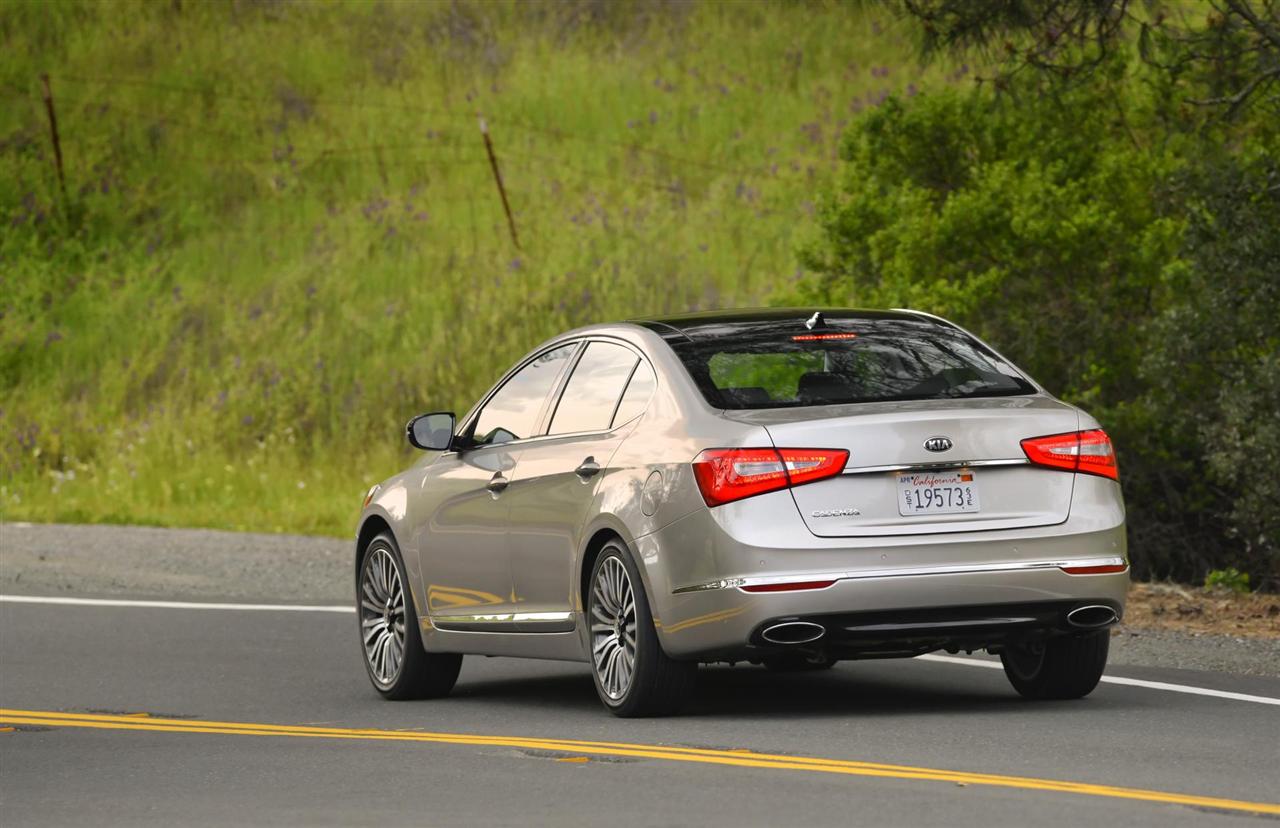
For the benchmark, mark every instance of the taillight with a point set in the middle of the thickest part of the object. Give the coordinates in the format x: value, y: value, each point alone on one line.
x: 1088, y: 452
x: 726, y: 475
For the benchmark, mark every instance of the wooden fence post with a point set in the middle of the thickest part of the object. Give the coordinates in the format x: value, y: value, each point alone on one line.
x: 53, y: 132
x: 497, y: 177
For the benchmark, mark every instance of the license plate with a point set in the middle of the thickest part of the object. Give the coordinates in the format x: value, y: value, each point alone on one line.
x: 937, y: 493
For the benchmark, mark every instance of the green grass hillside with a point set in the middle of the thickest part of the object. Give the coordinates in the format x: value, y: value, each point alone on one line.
x: 281, y: 237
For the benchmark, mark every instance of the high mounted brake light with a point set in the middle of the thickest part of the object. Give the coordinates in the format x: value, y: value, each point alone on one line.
x: 726, y: 475
x: 1087, y: 452
x: 821, y: 337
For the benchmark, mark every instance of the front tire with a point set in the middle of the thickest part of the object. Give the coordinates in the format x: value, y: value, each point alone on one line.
x: 633, y: 676
x: 391, y: 642
x: 1066, y: 667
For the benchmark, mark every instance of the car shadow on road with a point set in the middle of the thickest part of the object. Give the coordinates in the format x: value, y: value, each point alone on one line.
x: 749, y: 691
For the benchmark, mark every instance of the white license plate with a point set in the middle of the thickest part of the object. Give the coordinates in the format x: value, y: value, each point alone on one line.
x: 937, y: 492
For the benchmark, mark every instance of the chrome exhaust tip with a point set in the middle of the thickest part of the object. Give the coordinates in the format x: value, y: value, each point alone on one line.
x: 1092, y: 617
x: 793, y: 632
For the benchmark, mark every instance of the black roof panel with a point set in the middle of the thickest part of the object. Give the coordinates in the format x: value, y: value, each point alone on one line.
x: 712, y: 323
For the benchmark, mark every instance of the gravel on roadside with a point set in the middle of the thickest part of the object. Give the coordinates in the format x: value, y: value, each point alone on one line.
x: 203, y: 564
x: 148, y: 562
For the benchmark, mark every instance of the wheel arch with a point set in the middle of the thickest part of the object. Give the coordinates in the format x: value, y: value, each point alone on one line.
x: 604, y: 529
x: 590, y: 555
x: 373, y: 525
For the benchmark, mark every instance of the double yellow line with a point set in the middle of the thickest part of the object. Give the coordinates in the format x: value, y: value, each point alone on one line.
x: 731, y: 758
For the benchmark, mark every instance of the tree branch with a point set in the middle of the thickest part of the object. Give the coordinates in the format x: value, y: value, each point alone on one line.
x: 1237, y: 100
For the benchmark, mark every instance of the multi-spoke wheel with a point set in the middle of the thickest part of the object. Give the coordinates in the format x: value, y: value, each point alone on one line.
x: 1065, y: 667
x: 613, y: 628
x: 398, y: 665
x: 633, y: 676
x: 382, y: 615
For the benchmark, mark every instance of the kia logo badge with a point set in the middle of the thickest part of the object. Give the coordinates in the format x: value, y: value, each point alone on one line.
x: 938, y: 444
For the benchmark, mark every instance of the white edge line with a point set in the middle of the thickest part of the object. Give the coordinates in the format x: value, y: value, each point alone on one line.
x: 1131, y: 682
x: 121, y: 602
x: 967, y: 662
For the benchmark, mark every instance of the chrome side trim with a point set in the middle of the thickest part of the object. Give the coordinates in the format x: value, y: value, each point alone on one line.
x: 505, y: 622
x: 944, y: 464
x: 899, y: 572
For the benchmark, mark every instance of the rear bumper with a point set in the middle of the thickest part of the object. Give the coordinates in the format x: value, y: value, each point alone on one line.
x: 911, y: 632
x: 891, y: 596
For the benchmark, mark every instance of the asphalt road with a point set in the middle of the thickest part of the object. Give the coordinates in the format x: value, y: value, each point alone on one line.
x: 908, y: 741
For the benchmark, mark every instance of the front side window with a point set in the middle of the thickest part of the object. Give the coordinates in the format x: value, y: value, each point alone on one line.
x: 592, y: 393
x: 512, y: 413
x: 852, y: 360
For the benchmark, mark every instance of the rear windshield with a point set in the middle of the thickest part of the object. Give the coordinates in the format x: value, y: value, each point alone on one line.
x: 783, y: 364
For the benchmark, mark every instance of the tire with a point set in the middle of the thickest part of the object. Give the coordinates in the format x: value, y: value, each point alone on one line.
x: 797, y: 663
x: 633, y: 676
x: 1066, y: 667
x: 390, y: 640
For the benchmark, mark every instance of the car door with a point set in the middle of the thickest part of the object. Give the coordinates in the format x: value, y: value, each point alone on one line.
x: 462, y: 529
x: 555, y: 481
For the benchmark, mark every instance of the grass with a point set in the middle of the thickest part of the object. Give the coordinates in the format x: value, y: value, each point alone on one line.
x: 282, y: 238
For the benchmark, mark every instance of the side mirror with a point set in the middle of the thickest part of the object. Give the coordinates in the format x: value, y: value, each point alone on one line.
x: 431, y: 432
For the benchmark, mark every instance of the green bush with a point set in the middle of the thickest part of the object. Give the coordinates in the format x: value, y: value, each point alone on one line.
x: 1230, y: 579
x: 1130, y: 267
x: 1213, y: 367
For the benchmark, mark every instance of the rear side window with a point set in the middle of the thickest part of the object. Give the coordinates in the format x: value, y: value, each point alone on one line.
x: 592, y: 393
x: 512, y: 413
x: 637, y: 395
x: 777, y: 365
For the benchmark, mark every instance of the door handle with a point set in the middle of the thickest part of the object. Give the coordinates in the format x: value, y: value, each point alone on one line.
x: 497, y: 483
x: 589, y: 468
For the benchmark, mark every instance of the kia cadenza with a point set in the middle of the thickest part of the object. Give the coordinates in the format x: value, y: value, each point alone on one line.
x: 784, y: 487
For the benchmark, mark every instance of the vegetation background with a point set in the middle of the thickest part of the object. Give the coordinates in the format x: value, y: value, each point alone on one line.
x: 280, y: 237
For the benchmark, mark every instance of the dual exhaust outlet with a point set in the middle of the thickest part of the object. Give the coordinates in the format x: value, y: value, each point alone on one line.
x: 793, y: 632
x: 1088, y: 617
x: 1092, y: 617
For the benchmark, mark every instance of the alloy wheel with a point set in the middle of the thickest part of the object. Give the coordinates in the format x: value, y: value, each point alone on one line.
x: 382, y: 615
x: 613, y: 628
x: 1025, y: 660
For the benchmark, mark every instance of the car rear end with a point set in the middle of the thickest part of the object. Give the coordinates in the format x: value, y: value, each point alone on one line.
x: 907, y: 490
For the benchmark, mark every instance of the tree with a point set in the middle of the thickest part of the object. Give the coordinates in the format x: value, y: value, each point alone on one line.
x: 1226, y: 52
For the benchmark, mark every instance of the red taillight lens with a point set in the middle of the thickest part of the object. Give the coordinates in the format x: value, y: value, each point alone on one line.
x: 1088, y: 452
x: 726, y: 475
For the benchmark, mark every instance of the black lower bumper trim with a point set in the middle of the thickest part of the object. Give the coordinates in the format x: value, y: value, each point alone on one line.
x: 905, y: 632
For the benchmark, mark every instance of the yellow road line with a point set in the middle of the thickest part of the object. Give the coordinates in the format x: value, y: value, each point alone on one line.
x: 733, y: 758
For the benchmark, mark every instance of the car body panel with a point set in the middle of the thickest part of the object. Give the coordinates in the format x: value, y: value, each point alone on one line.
x: 548, y: 503
x: 883, y: 438
x: 502, y: 573
x: 460, y: 537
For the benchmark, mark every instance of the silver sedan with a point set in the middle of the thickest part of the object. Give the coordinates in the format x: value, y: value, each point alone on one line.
x: 781, y: 487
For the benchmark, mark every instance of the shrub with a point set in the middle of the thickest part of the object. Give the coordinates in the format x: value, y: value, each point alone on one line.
x: 1129, y: 267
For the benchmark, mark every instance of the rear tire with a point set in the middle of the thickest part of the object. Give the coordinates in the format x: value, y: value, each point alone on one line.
x: 633, y: 676
x: 390, y: 639
x: 1066, y: 667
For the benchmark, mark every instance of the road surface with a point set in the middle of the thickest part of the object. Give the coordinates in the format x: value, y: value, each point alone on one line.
x: 128, y: 713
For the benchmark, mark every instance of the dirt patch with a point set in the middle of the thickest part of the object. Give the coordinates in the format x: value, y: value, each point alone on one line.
x: 1158, y: 606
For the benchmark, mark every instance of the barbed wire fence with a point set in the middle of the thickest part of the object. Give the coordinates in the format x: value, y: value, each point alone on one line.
x: 446, y: 150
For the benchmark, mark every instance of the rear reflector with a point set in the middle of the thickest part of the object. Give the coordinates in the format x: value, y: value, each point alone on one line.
x: 1094, y: 570
x: 1087, y: 452
x: 726, y: 475
x: 789, y: 587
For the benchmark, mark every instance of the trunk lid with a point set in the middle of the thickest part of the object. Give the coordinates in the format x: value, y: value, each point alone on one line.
x: 886, y: 443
